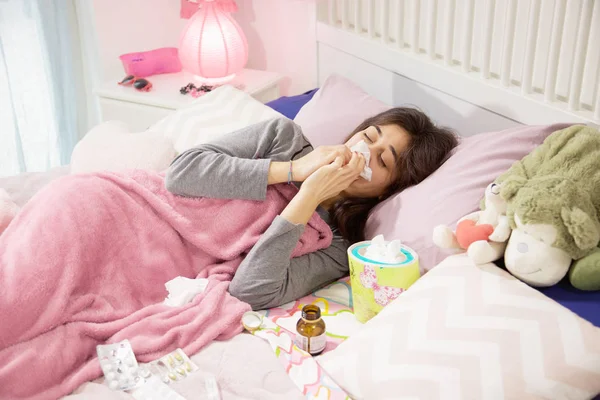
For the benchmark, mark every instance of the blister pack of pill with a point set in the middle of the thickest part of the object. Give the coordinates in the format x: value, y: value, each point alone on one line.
x: 119, y: 365
x: 173, y: 367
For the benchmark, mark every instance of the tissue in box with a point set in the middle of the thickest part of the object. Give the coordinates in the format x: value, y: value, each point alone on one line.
x: 374, y: 283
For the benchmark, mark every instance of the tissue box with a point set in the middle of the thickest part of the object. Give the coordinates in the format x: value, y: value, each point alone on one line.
x: 375, y: 284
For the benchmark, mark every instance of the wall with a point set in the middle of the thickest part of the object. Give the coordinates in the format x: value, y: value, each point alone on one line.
x: 281, y: 35
x: 133, y: 25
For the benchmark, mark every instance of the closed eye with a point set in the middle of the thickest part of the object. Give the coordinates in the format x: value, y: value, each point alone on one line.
x: 367, y: 137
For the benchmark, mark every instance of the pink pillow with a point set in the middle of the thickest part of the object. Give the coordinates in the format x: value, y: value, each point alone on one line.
x: 337, y: 108
x: 454, y: 190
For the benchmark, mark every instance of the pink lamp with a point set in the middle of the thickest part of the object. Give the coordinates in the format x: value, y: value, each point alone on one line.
x: 212, y: 45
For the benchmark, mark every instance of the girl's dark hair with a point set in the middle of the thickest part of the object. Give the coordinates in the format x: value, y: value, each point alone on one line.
x: 428, y: 148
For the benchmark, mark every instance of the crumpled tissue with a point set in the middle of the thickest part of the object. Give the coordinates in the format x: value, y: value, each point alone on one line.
x: 182, y: 290
x: 362, y: 148
x: 383, y: 252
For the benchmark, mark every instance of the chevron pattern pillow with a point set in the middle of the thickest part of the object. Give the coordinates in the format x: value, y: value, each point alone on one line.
x: 467, y: 332
x: 223, y: 110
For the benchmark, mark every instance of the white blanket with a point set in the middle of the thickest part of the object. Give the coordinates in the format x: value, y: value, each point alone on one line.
x: 245, y: 368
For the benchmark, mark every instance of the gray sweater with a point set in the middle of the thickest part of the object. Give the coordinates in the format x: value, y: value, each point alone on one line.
x: 236, y: 165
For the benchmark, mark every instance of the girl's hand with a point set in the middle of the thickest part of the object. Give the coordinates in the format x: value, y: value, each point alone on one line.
x: 330, y: 180
x: 319, y: 157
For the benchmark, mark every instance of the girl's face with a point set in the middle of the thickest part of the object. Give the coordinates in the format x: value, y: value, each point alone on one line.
x: 386, y: 143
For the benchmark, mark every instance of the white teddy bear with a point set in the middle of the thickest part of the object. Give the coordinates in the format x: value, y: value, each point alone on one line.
x: 483, y: 234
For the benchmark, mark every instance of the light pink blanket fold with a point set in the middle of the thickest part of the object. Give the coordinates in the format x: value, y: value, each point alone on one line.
x: 86, y: 260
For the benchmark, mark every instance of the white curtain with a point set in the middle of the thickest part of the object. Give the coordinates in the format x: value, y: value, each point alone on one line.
x: 40, y: 84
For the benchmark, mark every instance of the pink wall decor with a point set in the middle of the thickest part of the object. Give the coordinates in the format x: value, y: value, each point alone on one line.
x: 189, y: 7
x: 213, y: 47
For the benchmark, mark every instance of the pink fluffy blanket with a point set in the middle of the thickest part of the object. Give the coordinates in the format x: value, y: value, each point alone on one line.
x: 85, y: 263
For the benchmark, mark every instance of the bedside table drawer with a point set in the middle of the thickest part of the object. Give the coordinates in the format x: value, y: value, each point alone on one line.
x: 138, y: 116
x: 267, y: 94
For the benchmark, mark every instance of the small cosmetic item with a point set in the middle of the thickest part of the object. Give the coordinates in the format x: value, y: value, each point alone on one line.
x: 252, y: 321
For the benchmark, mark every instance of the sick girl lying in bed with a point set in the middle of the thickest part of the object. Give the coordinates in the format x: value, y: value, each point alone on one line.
x: 405, y: 147
x: 86, y: 259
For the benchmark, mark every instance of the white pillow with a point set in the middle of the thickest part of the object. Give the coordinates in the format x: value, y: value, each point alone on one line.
x: 469, y: 332
x: 8, y: 210
x: 224, y: 110
x: 110, y: 146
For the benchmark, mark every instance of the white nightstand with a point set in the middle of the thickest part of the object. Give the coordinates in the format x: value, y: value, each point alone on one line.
x: 142, y: 109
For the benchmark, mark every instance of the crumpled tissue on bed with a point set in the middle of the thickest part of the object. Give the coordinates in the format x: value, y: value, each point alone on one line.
x: 182, y: 290
x: 362, y: 148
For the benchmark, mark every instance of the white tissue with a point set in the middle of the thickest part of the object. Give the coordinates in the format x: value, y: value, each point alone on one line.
x: 362, y: 148
x: 182, y: 290
x: 388, y: 253
x: 212, y: 389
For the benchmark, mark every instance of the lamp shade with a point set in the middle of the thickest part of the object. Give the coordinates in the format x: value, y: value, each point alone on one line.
x: 212, y: 45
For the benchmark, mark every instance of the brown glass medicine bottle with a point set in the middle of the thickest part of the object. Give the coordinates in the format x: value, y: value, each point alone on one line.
x: 311, y: 330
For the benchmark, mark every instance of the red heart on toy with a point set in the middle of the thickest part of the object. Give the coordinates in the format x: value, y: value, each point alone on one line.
x: 468, y: 232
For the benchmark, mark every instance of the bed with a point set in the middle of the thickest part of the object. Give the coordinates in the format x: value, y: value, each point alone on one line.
x: 465, y: 65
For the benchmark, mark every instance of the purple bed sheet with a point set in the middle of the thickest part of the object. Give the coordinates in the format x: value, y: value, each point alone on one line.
x: 584, y: 304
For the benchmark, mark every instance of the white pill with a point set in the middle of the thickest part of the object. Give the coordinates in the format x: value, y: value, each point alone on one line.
x: 110, y: 376
x: 107, y: 367
x: 130, y: 361
x: 113, y: 384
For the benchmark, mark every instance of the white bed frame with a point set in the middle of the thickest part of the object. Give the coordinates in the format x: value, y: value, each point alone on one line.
x: 473, y: 65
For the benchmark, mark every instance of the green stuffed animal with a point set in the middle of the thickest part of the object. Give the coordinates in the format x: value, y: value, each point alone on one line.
x: 553, y: 205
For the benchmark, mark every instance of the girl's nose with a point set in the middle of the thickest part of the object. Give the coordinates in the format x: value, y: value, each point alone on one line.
x: 376, y: 148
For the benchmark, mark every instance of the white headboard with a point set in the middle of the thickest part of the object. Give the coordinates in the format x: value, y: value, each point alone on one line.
x: 472, y: 65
